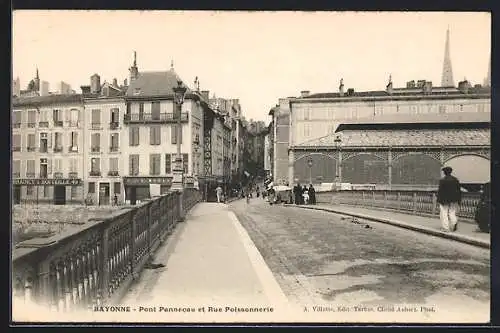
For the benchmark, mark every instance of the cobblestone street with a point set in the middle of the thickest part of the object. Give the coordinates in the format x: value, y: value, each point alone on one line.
x: 324, y: 258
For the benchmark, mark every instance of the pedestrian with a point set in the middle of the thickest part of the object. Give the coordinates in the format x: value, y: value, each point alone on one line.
x: 218, y: 191
x: 297, y: 193
x: 482, y: 215
x: 304, y: 189
x: 449, y: 196
x: 305, y: 195
x: 257, y: 191
x: 312, y: 195
x: 115, y: 200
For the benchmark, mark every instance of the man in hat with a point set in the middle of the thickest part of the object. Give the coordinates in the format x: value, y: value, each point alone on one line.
x: 448, y: 197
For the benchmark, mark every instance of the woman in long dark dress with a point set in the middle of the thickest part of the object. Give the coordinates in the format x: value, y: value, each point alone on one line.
x: 483, y: 209
x: 312, y: 195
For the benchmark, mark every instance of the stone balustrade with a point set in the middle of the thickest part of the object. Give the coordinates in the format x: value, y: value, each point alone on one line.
x: 412, y: 202
x: 95, y: 263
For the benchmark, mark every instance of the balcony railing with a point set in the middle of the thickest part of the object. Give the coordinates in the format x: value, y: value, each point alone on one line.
x: 16, y: 148
x: 30, y: 175
x: 114, y: 125
x: 113, y: 173
x: 58, y: 123
x: 43, y: 124
x: 58, y: 174
x: 16, y: 175
x: 31, y: 125
x: 73, y: 174
x: 114, y: 149
x: 97, y: 262
x: 96, y: 149
x: 43, y: 150
x: 412, y: 202
x: 95, y: 173
x: 16, y: 125
x: 161, y: 118
x: 96, y: 126
x: 43, y: 175
x: 31, y: 149
x: 58, y: 149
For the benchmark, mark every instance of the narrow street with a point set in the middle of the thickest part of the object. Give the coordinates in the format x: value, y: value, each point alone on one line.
x: 324, y: 258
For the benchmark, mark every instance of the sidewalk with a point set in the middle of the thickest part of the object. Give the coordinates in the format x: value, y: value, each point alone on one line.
x: 465, y: 233
x: 208, y: 261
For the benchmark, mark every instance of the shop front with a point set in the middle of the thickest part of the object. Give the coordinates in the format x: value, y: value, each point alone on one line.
x: 59, y: 186
x: 141, y: 188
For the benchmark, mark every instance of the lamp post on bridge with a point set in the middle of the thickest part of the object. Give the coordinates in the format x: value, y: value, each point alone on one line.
x: 178, y: 171
x: 310, y: 165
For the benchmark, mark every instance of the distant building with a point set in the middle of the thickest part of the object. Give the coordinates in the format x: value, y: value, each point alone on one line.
x: 44, y: 88
x: 16, y: 87
x: 64, y: 88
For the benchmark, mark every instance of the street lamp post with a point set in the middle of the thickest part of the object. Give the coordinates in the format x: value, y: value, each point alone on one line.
x: 310, y: 164
x: 339, y: 160
x: 178, y: 171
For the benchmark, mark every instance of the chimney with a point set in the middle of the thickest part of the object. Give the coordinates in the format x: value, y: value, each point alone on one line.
x: 388, y: 88
x: 410, y: 84
x: 205, y: 94
x: 95, y: 84
x: 115, y: 82
x: 341, y: 87
x: 350, y: 92
x: 85, y: 90
x: 427, y: 87
x: 304, y: 93
x: 420, y: 84
x: 463, y: 86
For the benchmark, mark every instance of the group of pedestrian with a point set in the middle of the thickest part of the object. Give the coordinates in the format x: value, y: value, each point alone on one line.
x: 303, y: 195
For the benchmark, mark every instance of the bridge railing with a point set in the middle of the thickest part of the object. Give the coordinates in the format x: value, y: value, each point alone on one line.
x: 412, y: 202
x: 95, y: 264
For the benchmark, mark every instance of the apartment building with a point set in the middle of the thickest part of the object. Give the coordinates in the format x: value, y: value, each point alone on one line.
x: 48, y: 141
x: 149, y: 143
x: 104, y: 163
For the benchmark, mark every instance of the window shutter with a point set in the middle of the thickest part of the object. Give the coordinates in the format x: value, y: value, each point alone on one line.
x: 158, y: 135
x: 49, y: 166
x: 131, y: 136
x: 130, y: 165
x: 168, y: 161
x: 180, y: 135
x: 152, y: 135
x: 68, y: 115
x: 49, y: 140
x: 75, y: 139
x: 151, y: 164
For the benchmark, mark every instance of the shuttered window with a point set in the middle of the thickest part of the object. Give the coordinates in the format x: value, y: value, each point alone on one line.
x: 168, y: 163
x: 155, y: 135
x: 173, y: 133
x: 134, y: 136
x: 154, y: 164
x: 155, y: 110
x: 133, y: 165
x: 113, y: 164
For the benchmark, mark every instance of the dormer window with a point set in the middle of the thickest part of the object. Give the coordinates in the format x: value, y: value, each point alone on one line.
x: 137, y: 91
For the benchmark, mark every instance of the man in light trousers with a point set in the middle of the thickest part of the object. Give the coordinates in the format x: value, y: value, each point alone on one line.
x: 448, y: 197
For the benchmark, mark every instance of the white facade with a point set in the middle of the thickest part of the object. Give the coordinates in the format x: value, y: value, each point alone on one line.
x: 267, y: 153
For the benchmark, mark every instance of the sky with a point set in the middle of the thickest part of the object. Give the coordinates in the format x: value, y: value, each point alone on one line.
x: 257, y: 57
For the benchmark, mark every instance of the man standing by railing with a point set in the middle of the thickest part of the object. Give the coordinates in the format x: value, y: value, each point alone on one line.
x: 448, y: 197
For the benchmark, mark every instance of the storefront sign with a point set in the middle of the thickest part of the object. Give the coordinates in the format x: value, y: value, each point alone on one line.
x: 143, y: 181
x: 47, y: 182
x: 189, y: 180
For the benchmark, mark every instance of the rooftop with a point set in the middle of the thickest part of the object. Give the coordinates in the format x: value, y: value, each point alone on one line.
x: 404, y: 138
x: 44, y: 100
x: 154, y: 84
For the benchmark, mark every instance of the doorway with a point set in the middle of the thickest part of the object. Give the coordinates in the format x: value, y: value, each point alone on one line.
x: 103, y: 194
x: 132, y: 194
x: 17, y: 194
x: 59, y: 195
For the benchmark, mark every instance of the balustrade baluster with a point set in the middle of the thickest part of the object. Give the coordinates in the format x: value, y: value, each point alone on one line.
x: 82, y: 258
x: 67, y: 285
x: 53, y: 291
x: 105, y: 270
x: 28, y: 289
x: 97, y: 276
x: 60, y: 285
x: 89, y: 273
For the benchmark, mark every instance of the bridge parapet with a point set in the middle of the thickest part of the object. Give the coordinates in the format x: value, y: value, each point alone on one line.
x: 95, y: 263
x: 412, y: 202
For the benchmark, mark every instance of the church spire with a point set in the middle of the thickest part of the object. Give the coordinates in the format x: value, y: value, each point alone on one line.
x: 133, y: 70
x: 447, y: 77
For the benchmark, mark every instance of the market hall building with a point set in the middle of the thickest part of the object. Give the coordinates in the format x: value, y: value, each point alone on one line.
x: 397, y: 152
